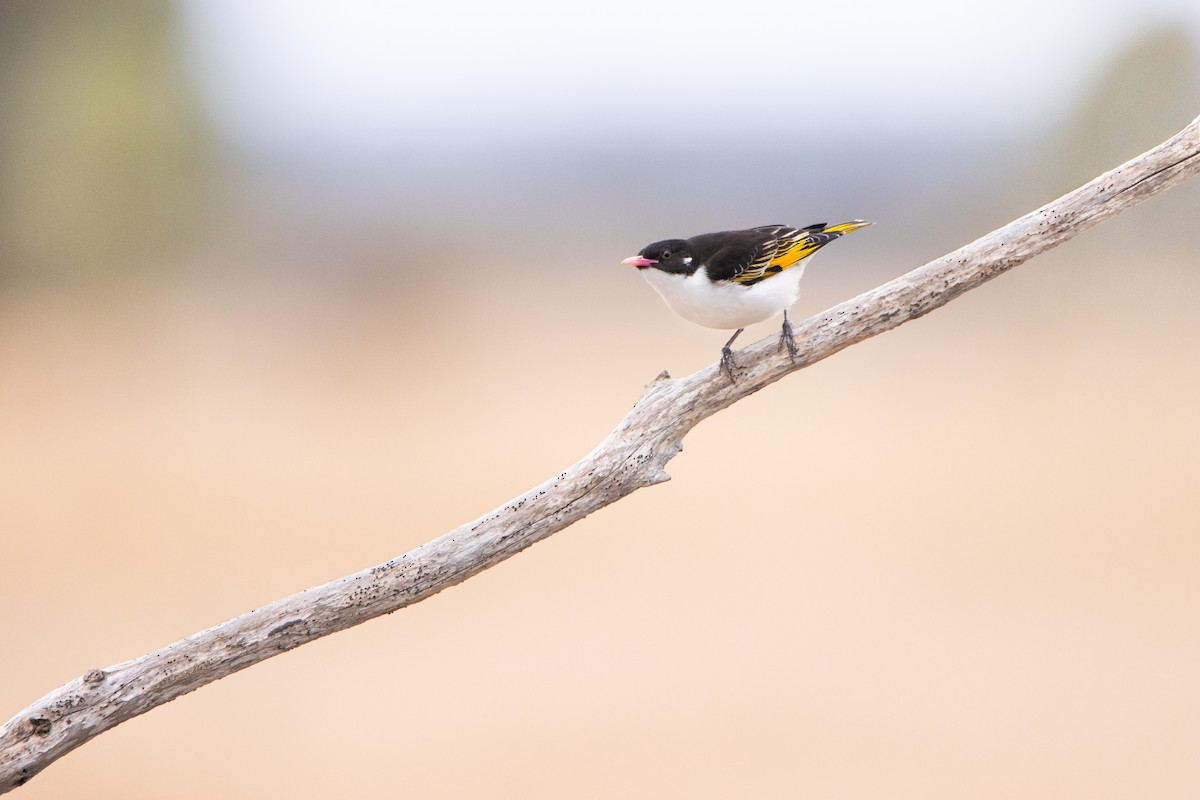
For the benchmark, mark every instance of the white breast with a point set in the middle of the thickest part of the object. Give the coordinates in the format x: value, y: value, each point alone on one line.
x: 726, y: 305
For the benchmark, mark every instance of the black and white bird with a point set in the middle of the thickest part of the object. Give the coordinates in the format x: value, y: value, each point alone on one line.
x: 732, y: 279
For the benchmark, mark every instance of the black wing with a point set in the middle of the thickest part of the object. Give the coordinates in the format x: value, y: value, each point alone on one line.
x: 738, y: 254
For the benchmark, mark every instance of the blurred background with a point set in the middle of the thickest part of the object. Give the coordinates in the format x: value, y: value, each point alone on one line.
x: 289, y: 288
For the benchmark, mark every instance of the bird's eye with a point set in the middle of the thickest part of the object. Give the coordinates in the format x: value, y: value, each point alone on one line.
x: 666, y: 254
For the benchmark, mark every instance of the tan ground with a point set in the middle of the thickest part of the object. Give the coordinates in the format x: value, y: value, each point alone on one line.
x: 958, y: 561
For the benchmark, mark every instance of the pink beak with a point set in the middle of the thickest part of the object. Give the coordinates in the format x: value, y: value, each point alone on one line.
x: 639, y: 262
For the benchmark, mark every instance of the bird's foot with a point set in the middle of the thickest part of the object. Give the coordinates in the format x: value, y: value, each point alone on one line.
x: 787, y: 339
x: 727, y: 363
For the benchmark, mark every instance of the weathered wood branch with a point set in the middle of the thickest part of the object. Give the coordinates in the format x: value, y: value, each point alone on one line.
x: 634, y: 455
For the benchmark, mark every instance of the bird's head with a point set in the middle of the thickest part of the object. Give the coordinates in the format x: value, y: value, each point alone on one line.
x: 669, y: 255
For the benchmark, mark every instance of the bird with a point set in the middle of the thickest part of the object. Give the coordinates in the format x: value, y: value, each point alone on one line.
x: 732, y: 279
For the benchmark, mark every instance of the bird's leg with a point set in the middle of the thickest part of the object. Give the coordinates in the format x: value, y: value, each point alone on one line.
x: 787, y: 337
x: 727, y: 364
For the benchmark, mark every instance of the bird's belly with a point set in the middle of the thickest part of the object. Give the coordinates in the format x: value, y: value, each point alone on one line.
x: 726, y: 305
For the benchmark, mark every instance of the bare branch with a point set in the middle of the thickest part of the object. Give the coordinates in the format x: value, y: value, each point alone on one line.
x: 634, y: 455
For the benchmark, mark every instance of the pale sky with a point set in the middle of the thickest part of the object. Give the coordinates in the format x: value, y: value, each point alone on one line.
x: 376, y: 77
